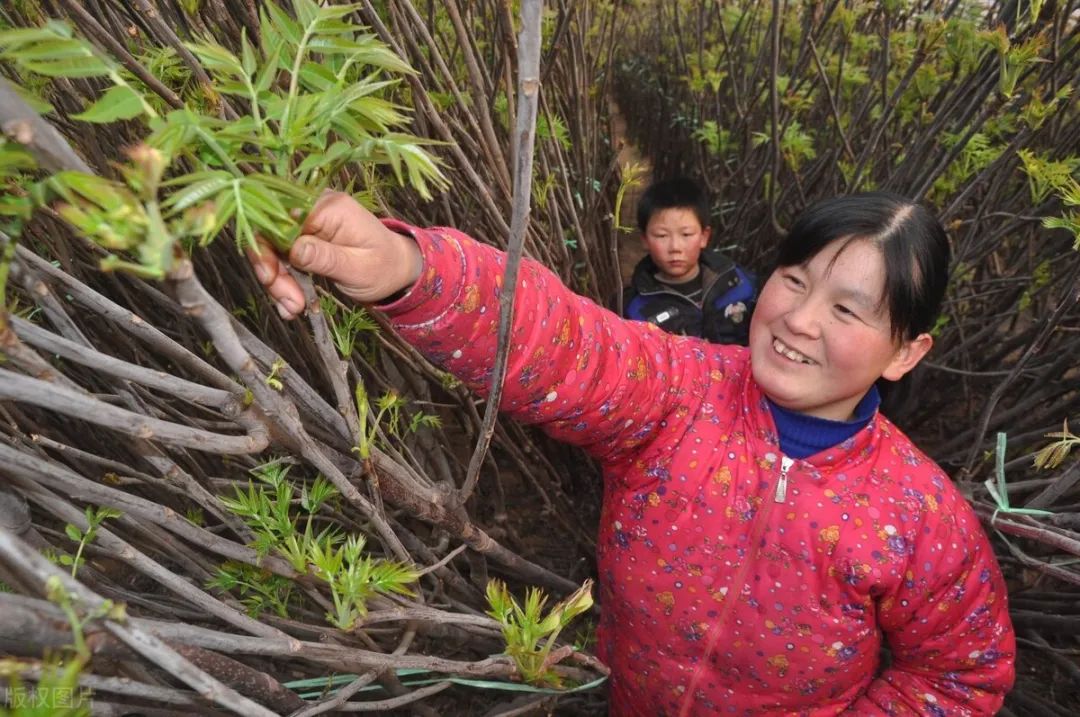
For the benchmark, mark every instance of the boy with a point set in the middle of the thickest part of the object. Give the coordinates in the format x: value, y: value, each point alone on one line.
x: 682, y: 286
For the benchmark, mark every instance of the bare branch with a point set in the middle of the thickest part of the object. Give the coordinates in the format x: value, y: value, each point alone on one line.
x: 525, y: 133
x: 23, y: 125
x: 178, y: 387
x: 15, y: 387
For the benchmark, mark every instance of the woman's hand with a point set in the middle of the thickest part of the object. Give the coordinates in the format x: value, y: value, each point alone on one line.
x: 347, y: 244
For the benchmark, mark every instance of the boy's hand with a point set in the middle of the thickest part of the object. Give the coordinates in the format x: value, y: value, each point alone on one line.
x: 347, y: 244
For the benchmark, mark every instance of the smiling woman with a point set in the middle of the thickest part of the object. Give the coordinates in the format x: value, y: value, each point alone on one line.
x: 836, y: 315
x: 764, y: 528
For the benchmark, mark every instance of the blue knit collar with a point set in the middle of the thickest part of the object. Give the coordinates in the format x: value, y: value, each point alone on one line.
x: 801, y: 436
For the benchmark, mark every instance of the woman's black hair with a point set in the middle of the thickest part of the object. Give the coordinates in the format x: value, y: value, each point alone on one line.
x: 912, y: 242
x: 916, y: 254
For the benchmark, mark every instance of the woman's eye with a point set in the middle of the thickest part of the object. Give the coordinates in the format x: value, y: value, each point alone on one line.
x: 793, y: 280
x: 841, y: 309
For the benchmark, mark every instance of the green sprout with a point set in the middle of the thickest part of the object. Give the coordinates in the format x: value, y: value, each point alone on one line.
x: 389, y: 405
x: 312, y: 111
x: 94, y: 518
x: 259, y: 589
x: 267, y: 507
x: 346, y: 324
x: 354, y: 577
x: 528, y: 634
x: 272, y: 379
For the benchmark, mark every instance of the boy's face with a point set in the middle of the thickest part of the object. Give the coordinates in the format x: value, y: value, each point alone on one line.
x: 675, y: 238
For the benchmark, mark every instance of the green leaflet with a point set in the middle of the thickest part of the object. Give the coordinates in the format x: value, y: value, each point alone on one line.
x: 52, y: 51
x: 201, y: 186
x: 317, y: 113
x: 118, y: 103
x: 33, y: 101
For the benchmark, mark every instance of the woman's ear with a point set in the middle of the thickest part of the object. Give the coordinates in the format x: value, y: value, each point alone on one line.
x: 908, y: 356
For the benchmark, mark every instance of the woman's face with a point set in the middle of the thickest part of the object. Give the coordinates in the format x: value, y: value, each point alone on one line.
x: 820, y: 335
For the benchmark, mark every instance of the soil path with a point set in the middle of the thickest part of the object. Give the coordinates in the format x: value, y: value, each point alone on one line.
x: 631, y: 249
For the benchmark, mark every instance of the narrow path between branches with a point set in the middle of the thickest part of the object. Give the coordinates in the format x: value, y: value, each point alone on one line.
x: 631, y: 249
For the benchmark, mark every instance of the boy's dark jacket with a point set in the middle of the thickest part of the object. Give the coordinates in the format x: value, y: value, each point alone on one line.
x: 723, y: 317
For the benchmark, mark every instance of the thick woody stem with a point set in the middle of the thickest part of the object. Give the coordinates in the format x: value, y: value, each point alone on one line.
x: 124, y: 319
x: 53, y: 397
x: 178, y: 387
x: 525, y: 133
x: 23, y: 125
x: 217, y: 323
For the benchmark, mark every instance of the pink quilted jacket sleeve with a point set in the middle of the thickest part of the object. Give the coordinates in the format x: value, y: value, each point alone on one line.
x: 577, y: 370
x: 951, y: 637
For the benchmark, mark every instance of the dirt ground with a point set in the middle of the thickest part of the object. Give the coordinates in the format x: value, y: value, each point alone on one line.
x: 631, y: 250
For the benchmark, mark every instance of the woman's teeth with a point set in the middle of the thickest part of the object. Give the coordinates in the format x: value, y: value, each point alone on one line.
x: 784, y: 350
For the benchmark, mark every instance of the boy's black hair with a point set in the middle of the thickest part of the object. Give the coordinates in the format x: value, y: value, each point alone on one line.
x: 675, y: 193
x: 912, y: 241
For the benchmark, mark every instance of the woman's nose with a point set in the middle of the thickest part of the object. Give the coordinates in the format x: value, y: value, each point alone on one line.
x: 803, y: 318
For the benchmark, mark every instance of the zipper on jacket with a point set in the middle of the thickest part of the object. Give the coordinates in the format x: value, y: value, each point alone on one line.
x: 757, y: 529
x: 781, y: 485
x: 665, y: 291
x: 714, y: 279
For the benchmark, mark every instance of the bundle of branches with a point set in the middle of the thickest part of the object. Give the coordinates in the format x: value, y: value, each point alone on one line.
x: 464, y: 95
x: 970, y: 106
x: 208, y: 502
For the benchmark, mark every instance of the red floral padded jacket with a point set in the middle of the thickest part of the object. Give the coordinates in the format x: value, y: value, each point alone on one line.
x: 733, y: 580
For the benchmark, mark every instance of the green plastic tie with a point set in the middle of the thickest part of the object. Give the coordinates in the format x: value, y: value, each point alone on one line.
x: 1000, y: 492
x: 338, y: 681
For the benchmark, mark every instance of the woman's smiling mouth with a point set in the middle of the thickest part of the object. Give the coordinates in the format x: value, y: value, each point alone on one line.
x: 789, y: 353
